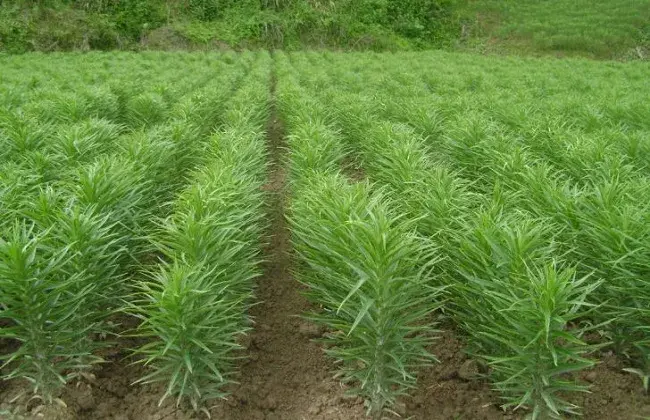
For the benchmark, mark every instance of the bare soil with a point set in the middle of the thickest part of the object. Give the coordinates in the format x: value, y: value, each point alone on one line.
x: 353, y: 169
x: 614, y: 394
x: 452, y: 389
x: 287, y: 377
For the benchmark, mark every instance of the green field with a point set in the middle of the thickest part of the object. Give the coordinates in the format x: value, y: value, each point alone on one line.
x: 501, y: 200
x: 598, y: 29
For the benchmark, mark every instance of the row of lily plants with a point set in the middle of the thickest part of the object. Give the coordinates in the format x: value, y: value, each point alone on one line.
x: 71, y: 240
x: 364, y: 264
x: 194, y: 302
x: 506, y: 265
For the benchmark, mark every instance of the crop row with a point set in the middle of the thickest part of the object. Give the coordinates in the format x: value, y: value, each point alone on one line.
x: 534, y: 260
x: 194, y: 303
x: 420, y: 184
x: 74, y: 234
x: 364, y: 266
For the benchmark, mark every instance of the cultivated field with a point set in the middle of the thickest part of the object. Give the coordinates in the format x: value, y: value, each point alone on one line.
x: 323, y: 236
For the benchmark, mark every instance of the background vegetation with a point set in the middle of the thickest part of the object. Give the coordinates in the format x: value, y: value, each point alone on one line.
x: 597, y: 29
x: 47, y: 25
x: 593, y: 28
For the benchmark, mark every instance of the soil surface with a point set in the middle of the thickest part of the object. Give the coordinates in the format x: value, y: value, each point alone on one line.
x: 615, y: 394
x: 452, y: 389
x: 286, y: 376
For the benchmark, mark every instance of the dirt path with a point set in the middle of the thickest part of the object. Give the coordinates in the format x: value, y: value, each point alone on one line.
x: 287, y: 376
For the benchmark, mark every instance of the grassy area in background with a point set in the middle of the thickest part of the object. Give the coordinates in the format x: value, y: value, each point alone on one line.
x: 592, y: 28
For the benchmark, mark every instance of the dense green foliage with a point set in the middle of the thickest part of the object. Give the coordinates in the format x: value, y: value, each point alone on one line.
x: 548, y: 240
x: 509, y: 194
x: 193, y: 305
x: 76, y: 225
x: 375, y: 306
x: 47, y: 25
x: 599, y: 29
